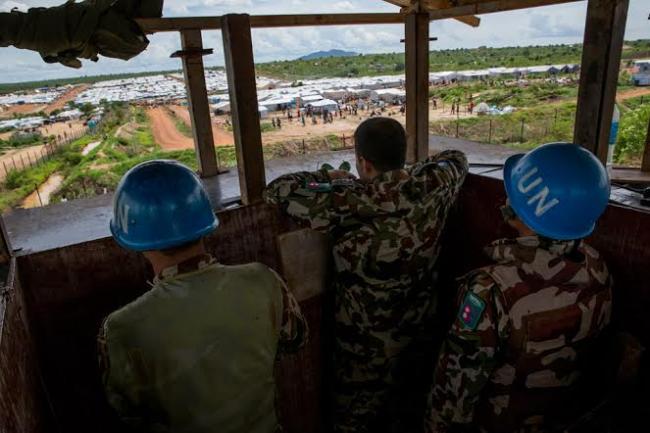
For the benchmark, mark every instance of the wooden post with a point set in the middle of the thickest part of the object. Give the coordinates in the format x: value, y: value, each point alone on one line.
x: 601, y: 58
x: 417, y: 86
x: 240, y: 68
x: 5, y: 246
x: 645, y: 164
x: 197, y: 102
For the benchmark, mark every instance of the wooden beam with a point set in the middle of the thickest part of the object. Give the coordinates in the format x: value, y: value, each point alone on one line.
x: 417, y: 86
x: 155, y: 25
x: 486, y: 7
x: 445, y: 4
x: 240, y: 68
x: 5, y: 245
x: 601, y: 59
x: 645, y: 164
x: 197, y: 101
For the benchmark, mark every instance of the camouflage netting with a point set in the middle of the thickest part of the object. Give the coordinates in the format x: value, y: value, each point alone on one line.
x: 72, y: 31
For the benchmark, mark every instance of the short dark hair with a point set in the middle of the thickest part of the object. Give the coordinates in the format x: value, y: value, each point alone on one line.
x: 382, y: 141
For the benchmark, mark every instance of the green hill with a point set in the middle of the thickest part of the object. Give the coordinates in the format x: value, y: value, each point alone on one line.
x: 389, y: 63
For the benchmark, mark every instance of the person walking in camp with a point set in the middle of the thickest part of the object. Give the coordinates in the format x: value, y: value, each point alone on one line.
x: 384, y: 226
x: 279, y: 123
x: 273, y: 122
x: 514, y: 355
x: 174, y: 360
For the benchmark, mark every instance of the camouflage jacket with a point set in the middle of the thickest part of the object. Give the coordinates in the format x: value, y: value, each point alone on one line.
x: 511, y: 360
x: 385, y: 242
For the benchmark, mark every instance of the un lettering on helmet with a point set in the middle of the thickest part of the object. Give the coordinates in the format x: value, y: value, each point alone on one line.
x: 123, y: 217
x: 541, y: 196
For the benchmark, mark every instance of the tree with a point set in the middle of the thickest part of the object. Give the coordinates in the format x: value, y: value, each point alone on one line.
x: 87, y: 108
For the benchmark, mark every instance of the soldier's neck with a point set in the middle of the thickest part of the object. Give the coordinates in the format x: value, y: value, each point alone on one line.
x: 162, y: 260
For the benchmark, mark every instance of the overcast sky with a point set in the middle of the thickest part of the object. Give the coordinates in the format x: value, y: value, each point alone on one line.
x: 539, y: 26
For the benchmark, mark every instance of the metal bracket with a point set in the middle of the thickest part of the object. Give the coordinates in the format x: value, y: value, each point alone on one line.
x: 192, y: 52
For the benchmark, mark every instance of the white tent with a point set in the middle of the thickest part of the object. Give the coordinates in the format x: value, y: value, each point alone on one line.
x: 323, y: 104
x: 264, y: 112
x: 388, y: 95
x: 482, y: 109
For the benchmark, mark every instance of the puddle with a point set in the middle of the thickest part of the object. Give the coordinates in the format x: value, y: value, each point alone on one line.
x: 45, y: 191
x: 89, y: 147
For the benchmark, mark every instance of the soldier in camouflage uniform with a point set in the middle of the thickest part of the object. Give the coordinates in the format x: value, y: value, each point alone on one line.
x: 511, y: 362
x: 385, y: 229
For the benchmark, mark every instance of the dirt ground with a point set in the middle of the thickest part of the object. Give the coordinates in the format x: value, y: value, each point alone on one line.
x: 633, y: 93
x: 295, y: 131
x: 165, y: 132
x: 8, y: 112
x: 62, y: 128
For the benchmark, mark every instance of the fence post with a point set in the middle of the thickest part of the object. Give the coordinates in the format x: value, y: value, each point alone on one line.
x: 522, y: 131
x: 490, y: 133
x: 555, y: 121
x: 457, y: 122
x: 38, y: 194
x: 303, y: 146
x: 14, y: 162
x: 4, y: 164
x: 23, y: 161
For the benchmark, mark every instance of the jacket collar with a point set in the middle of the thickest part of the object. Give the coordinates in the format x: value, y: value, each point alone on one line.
x: 190, y: 265
x: 526, y: 249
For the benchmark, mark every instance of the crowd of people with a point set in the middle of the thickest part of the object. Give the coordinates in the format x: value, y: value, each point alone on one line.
x: 196, y: 352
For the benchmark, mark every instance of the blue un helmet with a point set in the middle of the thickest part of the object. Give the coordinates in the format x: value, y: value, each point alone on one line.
x: 559, y: 190
x: 160, y: 204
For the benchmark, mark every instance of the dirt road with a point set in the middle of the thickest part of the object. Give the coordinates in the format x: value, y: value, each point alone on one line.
x: 70, y: 95
x: 165, y: 132
x: 632, y: 93
x: 221, y: 136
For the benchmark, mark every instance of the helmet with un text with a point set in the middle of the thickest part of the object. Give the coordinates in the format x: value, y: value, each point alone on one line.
x: 559, y: 190
x: 160, y: 204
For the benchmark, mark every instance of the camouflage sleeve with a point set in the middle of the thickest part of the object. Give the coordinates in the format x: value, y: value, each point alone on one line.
x: 321, y: 210
x: 467, y: 357
x: 446, y: 170
x: 114, y: 385
x: 294, y: 332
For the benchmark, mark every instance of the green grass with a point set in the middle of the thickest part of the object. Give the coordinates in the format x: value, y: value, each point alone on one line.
x: 632, y: 133
x: 19, y: 184
x: 540, y: 125
x: 440, y: 60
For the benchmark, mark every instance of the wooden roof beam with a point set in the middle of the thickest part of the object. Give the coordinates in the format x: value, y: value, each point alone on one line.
x: 409, y: 6
x: 480, y: 7
x: 429, y: 5
x: 155, y: 25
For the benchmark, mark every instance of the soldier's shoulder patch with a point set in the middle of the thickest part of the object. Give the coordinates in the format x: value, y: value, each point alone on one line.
x: 471, y: 311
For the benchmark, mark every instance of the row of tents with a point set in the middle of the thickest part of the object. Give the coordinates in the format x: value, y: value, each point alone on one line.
x: 275, y: 94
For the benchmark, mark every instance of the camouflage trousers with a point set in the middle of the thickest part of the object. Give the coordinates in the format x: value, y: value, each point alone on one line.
x: 381, y: 394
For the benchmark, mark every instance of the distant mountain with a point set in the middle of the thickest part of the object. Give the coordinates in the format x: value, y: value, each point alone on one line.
x: 330, y: 53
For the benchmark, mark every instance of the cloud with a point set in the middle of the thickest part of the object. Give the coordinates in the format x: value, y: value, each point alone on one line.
x: 546, y: 25
x: 538, y: 26
x: 10, y: 5
x: 344, y: 5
